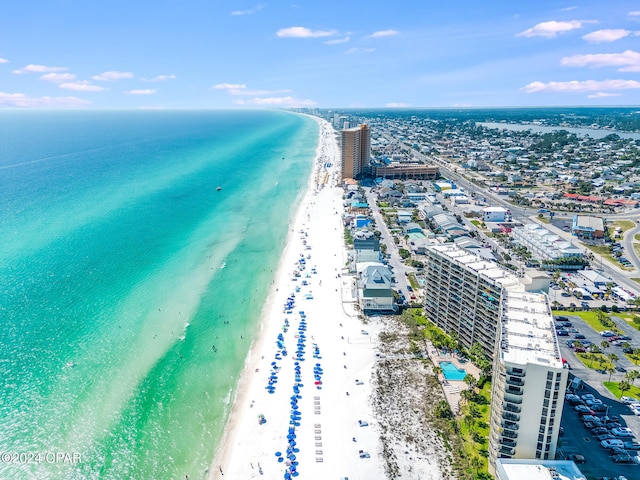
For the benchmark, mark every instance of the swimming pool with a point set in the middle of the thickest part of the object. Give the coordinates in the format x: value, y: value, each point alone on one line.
x: 451, y: 372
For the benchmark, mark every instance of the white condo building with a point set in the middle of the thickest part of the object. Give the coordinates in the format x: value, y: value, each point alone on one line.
x: 544, y: 244
x: 529, y: 381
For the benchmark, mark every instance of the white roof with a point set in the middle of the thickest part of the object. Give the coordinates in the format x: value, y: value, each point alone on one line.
x: 495, y: 209
x: 518, y: 469
x: 528, y: 330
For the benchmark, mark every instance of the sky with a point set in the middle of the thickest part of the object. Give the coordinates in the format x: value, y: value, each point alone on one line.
x: 196, y: 54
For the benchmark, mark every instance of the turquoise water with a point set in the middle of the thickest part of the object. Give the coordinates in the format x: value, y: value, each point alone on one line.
x: 451, y: 372
x: 130, y: 289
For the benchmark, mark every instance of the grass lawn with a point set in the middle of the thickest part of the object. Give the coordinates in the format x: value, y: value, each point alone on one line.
x: 544, y: 219
x: 636, y: 248
x: 414, y: 282
x: 613, y: 388
x: 475, y: 436
x: 624, y: 225
x: 595, y: 361
x: 477, y: 223
x: 637, y: 237
x: 590, y: 318
x: 635, y: 279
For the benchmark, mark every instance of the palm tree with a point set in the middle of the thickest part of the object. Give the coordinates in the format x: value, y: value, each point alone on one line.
x: 604, y: 344
x: 467, y: 395
x: 625, y: 345
x: 469, y: 421
x: 611, y: 370
x: 623, y: 385
x: 476, y: 463
x: 613, y: 357
x: 437, y: 371
x: 470, y: 380
x: 632, y: 375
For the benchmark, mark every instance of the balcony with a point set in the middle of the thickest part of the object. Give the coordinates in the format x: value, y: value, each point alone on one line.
x: 509, y: 407
x: 510, y: 425
x: 511, y: 416
x: 507, y: 450
x: 514, y: 400
x: 509, y: 443
x: 509, y: 434
x: 512, y: 371
x: 514, y: 390
x: 515, y: 381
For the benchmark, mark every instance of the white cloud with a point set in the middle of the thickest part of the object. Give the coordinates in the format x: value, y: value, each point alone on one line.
x: 581, y: 86
x: 635, y: 13
x: 58, y: 77
x: 628, y: 61
x: 159, y: 78
x: 303, y: 32
x: 146, y: 91
x: 229, y: 86
x: 24, y: 101
x: 336, y: 41
x: 112, y: 76
x: 396, y: 105
x: 278, y: 102
x: 39, y: 69
x: 82, y: 86
x: 568, y: 9
x: 603, y: 95
x: 383, y: 33
x: 249, y: 11
x: 607, y: 35
x: 552, y: 28
x: 4, y: 60
x: 355, y: 50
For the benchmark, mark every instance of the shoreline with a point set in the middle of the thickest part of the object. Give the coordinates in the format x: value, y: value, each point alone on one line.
x: 242, y: 434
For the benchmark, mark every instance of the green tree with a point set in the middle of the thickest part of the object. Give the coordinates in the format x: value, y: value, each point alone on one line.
x: 611, y: 370
x: 469, y: 421
x: 443, y: 410
x: 470, y: 380
x: 623, y: 385
x: 613, y: 357
x: 632, y: 376
x: 604, y: 345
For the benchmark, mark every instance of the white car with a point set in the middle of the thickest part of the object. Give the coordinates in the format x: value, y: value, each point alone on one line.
x: 628, y: 400
x: 622, y: 432
x: 612, y: 443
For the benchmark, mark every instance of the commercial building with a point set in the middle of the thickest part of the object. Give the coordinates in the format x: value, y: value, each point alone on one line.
x: 528, y: 383
x: 585, y: 226
x: 543, y: 244
x: 405, y: 170
x: 463, y: 292
x: 356, y: 151
x: 494, y: 214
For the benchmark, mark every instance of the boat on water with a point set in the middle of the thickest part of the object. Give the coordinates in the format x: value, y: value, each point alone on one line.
x: 218, y: 188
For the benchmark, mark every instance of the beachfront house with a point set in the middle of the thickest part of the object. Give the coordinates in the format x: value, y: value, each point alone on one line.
x: 366, y: 246
x: 374, y: 288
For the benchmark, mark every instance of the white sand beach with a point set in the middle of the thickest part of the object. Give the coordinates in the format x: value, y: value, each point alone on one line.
x: 316, y: 398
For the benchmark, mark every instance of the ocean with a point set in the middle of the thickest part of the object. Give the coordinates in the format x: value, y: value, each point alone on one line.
x: 130, y: 286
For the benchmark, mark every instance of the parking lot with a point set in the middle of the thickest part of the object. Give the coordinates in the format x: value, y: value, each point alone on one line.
x: 578, y: 439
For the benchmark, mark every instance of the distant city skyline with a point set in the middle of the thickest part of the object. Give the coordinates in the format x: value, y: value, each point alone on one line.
x: 212, y: 54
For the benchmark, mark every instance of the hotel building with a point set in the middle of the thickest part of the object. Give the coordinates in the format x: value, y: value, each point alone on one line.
x: 487, y: 304
x: 462, y: 294
x: 356, y: 151
x: 529, y: 381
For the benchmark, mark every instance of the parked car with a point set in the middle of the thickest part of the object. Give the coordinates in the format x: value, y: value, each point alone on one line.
x: 560, y: 319
x: 612, y: 443
x: 607, y: 333
x: 579, y: 336
x: 600, y: 431
x: 632, y: 445
x: 622, y: 432
x: 623, y: 458
x: 604, y: 436
x: 583, y: 410
x: 578, y: 459
x: 562, y: 333
x: 628, y: 400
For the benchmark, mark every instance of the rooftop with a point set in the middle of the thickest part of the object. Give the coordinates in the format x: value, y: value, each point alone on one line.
x: 511, y: 469
x: 528, y: 330
x: 476, y: 263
